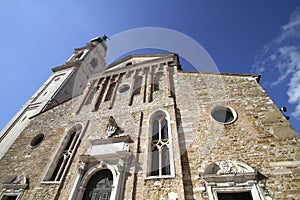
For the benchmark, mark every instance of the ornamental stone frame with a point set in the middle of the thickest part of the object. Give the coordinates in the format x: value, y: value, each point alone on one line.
x: 229, y: 176
x: 88, y: 175
x: 15, y: 187
x: 150, y: 120
x: 115, y: 158
x: 81, y: 126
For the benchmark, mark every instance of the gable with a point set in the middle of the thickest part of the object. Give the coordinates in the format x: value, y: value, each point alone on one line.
x: 136, y: 59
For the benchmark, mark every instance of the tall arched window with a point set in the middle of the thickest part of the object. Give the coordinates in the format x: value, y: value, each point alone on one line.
x: 160, y: 147
x: 99, y: 186
x: 65, y: 155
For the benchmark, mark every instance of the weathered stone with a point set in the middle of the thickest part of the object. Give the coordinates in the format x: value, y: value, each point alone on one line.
x: 260, y: 136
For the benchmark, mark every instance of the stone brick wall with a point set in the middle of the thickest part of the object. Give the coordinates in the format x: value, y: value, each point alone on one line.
x: 261, y: 137
x: 20, y: 158
x: 128, y: 118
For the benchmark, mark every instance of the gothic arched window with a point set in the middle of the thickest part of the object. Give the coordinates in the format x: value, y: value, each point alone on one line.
x: 65, y: 155
x: 159, y: 146
x: 99, y: 186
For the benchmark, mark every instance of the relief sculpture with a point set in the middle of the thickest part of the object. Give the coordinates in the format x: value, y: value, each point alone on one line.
x: 111, y: 127
x: 228, y: 167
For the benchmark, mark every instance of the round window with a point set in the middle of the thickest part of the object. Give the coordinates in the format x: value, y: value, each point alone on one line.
x: 123, y: 88
x: 224, y: 114
x: 37, y: 140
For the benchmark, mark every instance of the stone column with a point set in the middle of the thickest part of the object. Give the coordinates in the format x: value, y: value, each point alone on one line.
x: 80, y: 171
x: 123, y: 168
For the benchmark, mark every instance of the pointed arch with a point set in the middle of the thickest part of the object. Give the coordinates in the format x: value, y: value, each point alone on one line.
x: 64, y: 155
x: 99, y: 185
x: 103, y: 174
x: 160, y: 153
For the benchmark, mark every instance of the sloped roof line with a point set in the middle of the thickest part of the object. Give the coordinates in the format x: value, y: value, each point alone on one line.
x: 119, y: 61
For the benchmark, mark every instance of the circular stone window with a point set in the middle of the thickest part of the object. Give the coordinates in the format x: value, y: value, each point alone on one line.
x: 37, y: 140
x: 123, y: 88
x: 223, y: 114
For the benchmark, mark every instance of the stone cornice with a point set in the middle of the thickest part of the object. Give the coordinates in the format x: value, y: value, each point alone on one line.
x: 139, y: 56
x: 67, y: 65
x: 132, y: 67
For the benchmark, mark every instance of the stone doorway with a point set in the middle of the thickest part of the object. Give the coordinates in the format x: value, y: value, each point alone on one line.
x: 99, y: 186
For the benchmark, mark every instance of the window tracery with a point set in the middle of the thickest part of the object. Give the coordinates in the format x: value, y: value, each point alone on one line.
x: 160, y: 146
x: 65, y: 155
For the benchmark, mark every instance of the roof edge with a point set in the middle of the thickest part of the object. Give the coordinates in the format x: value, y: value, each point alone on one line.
x: 119, y: 61
x: 257, y: 76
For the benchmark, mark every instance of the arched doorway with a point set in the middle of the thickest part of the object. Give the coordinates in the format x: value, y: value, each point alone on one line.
x: 99, y: 186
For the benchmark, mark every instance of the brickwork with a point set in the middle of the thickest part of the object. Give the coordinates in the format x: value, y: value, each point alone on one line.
x: 22, y: 159
x: 252, y: 139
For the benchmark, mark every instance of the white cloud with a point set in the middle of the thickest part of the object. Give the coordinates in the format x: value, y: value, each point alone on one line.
x: 294, y: 91
x: 287, y: 62
x: 296, y: 112
x: 294, y: 81
x: 292, y: 28
x: 283, y: 55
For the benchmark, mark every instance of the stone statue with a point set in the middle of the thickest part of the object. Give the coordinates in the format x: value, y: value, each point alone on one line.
x: 82, y: 167
x: 104, y: 37
x: 111, y: 127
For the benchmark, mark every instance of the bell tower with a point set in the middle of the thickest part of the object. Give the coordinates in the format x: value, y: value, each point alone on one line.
x: 67, y: 81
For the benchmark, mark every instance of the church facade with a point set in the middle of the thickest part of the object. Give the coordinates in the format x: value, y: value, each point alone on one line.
x: 143, y: 128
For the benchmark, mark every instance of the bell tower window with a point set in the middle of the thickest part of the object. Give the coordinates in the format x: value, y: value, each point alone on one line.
x: 94, y: 63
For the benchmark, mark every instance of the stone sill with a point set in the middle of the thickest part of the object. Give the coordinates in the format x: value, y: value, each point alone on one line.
x: 15, y: 186
x: 50, y: 182
x: 109, y: 140
x: 159, y: 177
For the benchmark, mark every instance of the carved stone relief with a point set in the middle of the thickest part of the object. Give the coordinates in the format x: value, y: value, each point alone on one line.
x: 16, y: 182
x: 229, y: 167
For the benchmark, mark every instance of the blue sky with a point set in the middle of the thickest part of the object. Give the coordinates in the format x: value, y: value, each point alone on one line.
x: 251, y: 36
